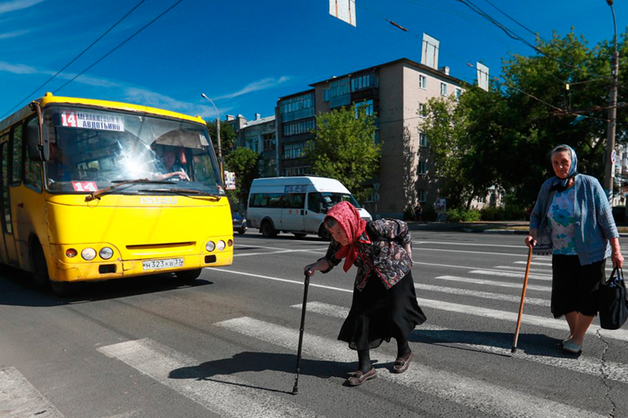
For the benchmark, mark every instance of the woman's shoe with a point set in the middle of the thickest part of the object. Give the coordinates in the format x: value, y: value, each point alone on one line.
x: 571, y: 347
x: 359, y: 377
x: 401, y: 364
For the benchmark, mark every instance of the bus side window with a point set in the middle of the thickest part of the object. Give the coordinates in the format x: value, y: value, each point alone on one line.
x: 7, y: 226
x: 16, y: 162
x: 314, y: 202
x: 274, y: 200
x: 294, y: 201
x: 32, y: 169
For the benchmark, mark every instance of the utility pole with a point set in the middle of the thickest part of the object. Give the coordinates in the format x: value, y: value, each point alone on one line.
x: 220, y: 161
x: 609, y: 163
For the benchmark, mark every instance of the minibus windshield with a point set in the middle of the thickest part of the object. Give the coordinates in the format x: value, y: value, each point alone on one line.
x: 331, y: 199
x: 94, y: 149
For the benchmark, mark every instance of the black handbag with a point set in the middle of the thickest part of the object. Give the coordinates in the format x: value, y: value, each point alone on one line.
x: 613, y: 302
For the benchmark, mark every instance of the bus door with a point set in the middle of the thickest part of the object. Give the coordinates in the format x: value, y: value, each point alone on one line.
x: 315, y: 212
x: 293, y: 212
x: 10, y: 254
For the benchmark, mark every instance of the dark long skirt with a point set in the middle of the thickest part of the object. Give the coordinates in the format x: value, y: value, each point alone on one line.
x: 378, y: 314
x: 575, y: 288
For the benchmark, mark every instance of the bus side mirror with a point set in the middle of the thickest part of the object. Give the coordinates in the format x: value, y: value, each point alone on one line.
x: 36, y: 142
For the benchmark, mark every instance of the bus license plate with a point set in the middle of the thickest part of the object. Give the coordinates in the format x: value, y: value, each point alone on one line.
x: 162, y: 264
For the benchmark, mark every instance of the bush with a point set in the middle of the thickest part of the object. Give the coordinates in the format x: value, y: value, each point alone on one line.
x: 506, y: 213
x: 408, y: 214
x: 429, y: 214
x: 462, y: 215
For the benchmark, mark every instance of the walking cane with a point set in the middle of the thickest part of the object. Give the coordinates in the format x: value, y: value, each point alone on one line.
x: 523, y: 298
x: 295, y: 390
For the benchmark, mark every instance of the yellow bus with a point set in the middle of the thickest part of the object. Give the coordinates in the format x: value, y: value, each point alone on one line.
x: 96, y: 190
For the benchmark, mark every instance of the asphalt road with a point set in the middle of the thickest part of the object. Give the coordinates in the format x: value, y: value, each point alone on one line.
x: 226, y: 346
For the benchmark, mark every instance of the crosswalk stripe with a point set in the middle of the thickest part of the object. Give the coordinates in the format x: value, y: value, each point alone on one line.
x: 483, y: 295
x: 559, y: 324
x: 469, y: 392
x: 486, y: 282
x: 158, y: 362
x: 619, y: 334
x: 534, y: 263
x: 545, y: 272
x: 512, y: 274
x: 18, y: 398
x: 472, y: 340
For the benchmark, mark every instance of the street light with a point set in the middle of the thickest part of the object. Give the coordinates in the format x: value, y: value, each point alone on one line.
x: 217, y: 133
x: 609, y: 166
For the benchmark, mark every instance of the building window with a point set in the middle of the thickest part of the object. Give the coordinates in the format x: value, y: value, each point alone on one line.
x: 299, y: 107
x: 292, y: 151
x: 443, y: 89
x: 422, y: 111
x: 300, y: 127
x: 458, y: 93
x: 422, y: 196
x: 269, y: 142
x: 422, y: 168
x: 296, y: 171
x: 422, y: 81
x: 367, y: 105
x: 252, y: 143
x: 422, y: 139
x: 365, y: 81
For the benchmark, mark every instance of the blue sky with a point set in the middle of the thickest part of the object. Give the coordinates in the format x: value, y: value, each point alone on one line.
x: 246, y: 54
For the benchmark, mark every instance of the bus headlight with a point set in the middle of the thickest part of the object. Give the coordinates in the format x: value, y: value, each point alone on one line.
x: 88, y: 254
x: 105, y: 253
x: 221, y: 245
x: 210, y: 246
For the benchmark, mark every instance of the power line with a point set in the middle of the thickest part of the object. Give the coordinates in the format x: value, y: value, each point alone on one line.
x: 75, y: 58
x: 120, y: 44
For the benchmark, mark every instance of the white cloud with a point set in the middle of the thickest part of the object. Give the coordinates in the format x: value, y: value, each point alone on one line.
x: 12, y: 34
x: 11, y: 6
x: 17, y: 68
x: 264, y: 84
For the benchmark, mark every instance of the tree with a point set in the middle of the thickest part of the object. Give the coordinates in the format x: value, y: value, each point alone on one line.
x: 344, y: 147
x: 244, y: 162
x: 227, y: 137
x: 504, y: 136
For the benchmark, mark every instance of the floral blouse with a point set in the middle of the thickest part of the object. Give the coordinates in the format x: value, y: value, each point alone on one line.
x: 561, y: 217
x: 381, y: 253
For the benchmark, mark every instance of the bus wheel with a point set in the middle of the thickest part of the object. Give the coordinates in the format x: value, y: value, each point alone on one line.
x: 267, y: 230
x: 324, y: 233
x: 188, y: 276
x: 40, y: 276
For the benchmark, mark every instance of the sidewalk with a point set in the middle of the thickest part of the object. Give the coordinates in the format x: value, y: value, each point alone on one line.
x: 495, y: 227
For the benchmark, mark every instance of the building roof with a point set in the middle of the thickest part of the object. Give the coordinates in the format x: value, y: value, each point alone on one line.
x: 259, y: 121
x: 406, y: 61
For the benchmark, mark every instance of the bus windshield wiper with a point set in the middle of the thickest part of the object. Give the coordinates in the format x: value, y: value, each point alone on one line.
x: 184, y: 192
x: 96, y: 194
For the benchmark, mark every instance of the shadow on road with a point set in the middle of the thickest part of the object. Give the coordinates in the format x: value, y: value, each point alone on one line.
x: 530, y: 344
x: 258, y: 362
x: 17, y: 289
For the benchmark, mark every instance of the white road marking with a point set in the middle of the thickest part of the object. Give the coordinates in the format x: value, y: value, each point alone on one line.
x: 619, y: 334
x: 483, y: 295
x: 512, y: 274
x: 220, y: 394
x: 469, y: 392
x: 18, y: 398
x: 485, y: 282
x: 476, y: 341
x: 270, y: 252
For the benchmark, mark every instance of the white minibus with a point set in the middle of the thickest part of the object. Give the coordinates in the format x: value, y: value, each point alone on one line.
x: 295, y: 204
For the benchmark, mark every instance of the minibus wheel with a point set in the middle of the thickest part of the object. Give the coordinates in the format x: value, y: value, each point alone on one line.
x: 267, y: 230
x: 299, y: 235
x: 40, y: 275
x: 324, y: 233
x: 188, y: 276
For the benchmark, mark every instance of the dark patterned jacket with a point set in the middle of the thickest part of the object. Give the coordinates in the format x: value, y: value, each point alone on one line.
x: 380, y: 252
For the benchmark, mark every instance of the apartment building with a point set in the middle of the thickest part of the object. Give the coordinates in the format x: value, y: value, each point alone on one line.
x: 396, y: 92
x: 258, y: 135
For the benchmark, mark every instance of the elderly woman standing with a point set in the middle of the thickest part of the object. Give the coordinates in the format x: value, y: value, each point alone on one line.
x: 384, y: 302
x: 572, y: 220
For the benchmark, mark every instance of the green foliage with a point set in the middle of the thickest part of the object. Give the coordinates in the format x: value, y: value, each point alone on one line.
x: 429, y: 213
x: 462, y: 215
x: 506, y: 213
x: 244, y: 162
x: 344, y: 147
x: 503, y: 137
x: 408, y: 213
x: 227, y: 137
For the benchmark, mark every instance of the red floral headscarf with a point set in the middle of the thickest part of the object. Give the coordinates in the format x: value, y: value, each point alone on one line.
x: 349, y: 219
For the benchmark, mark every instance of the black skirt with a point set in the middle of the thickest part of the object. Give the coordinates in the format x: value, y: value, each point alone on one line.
x: 575, y: 288
x: 379, y: 314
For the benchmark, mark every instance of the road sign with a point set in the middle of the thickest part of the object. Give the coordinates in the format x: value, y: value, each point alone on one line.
x: 376, y: 197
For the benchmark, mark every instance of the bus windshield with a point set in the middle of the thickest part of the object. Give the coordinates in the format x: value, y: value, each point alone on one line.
x: 331, y: 199
x: 93, y: 149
